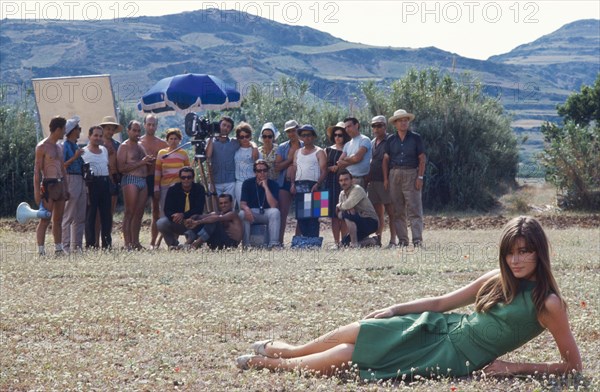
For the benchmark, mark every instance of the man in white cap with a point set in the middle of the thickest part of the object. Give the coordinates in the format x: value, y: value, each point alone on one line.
x: 283, y: 159
x: 73, y: 223
x: 379, y: 196
x: 403, y: 170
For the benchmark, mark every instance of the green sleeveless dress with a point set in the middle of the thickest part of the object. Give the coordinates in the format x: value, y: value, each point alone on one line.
x: 447, y: 344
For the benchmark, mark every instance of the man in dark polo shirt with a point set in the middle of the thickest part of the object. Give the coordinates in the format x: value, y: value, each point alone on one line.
x: 379, y: 196
x: 403, y: 170
x: 184, y: 199
x: 260, y: 203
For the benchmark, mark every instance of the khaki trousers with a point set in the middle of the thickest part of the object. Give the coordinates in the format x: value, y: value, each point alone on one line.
x: 407, y: 202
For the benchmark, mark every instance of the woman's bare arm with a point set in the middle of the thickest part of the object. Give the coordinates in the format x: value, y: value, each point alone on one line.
x: 443, y: 303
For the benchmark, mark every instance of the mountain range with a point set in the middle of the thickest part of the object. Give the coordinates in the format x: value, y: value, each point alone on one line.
x: 529, y: 80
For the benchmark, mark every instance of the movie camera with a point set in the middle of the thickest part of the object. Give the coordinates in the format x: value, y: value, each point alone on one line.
x: 199, y: 129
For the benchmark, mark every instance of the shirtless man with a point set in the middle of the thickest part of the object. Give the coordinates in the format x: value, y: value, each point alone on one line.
x: 133, y: 163
x: 223, y: 229
x: 50, y: 184
x: 152, y: 145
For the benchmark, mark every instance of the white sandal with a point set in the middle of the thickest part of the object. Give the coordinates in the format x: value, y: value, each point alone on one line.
x: 260, y: 347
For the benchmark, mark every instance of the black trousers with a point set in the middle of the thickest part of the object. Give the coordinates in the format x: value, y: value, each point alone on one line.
x: 99, y: 200
x: 309, y: 227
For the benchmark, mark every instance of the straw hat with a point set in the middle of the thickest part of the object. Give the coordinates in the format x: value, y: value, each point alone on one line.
x: 110, y: 120
x: 401, y: 113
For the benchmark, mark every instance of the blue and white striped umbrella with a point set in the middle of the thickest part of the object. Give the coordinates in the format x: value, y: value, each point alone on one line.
x: 182, y: 94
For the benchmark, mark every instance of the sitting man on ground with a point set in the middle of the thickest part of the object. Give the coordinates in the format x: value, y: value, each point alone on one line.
x: 220, y: 230
x: 259, y: 203
x: 358, y: 212
x: 184, y: 199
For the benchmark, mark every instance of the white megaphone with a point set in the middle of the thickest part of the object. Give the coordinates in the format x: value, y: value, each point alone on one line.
x: 25, y: 213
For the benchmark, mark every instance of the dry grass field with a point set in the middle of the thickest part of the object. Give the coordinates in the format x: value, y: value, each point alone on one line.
x: 158, y: 320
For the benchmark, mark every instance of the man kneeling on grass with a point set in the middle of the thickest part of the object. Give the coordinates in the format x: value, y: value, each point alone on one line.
x: 223, y: 229
x: 359, y: 214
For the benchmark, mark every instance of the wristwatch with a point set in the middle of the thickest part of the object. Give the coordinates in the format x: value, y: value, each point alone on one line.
x: 420, y: 177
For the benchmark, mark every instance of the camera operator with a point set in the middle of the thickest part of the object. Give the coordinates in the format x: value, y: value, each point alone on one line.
x: 220, y: 152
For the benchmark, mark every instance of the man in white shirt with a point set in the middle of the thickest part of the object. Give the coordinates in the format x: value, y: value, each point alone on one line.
x: 96, y: 175
x: 356, y: 156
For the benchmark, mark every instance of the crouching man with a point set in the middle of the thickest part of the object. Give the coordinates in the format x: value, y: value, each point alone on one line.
x: 359, y: 214
x: 220, y: 230
x: 184, y: 199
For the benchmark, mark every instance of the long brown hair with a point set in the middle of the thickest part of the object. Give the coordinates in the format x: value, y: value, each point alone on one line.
x: 504, y: 287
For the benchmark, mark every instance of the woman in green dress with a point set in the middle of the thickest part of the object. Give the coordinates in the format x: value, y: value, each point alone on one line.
x: 513, y: 304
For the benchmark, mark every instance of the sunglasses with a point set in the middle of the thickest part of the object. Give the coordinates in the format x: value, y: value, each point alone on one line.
x: 267, y: 136
x: 377, y: 126
x: 243, y: 137
x: 306, y: 135
x: 261, y: 170
x: 338, y: 135
x: 186, y: 177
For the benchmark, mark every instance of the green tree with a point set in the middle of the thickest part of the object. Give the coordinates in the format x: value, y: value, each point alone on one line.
x: 18, y: 138
x: 470, y: 147
x: 285, y: 100
x: 572, y: 152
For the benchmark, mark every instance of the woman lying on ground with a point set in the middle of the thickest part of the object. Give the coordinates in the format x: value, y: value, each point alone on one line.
x: 512, y: 306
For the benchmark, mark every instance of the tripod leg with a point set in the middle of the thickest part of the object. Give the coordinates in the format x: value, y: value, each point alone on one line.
x: 209, y: 200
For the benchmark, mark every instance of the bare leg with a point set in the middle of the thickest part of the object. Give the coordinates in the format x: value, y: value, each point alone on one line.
x: 379, y: 210
x: 325, y: 362
x: 130, y: 195
x: 136, y: 222
x: 335, y: 228
x: 352, y: 231
x: 155, y: 216
x: 343, y: 335
x: 389, y: 208
x: 285, y: 201
x: 57, y: 215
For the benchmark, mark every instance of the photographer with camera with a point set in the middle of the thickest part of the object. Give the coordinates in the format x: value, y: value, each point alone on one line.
x: 96, y: 175
x: 220, y: 152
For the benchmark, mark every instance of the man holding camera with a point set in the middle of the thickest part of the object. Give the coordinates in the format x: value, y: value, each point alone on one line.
x: 220, y: 153
x: 259, y: 203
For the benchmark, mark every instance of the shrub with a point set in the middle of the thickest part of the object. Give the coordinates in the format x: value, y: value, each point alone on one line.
x: 471, y: 150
